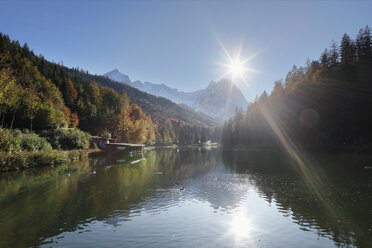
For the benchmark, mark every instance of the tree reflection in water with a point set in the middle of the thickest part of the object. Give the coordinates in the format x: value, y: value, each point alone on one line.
x: 345, y: 195
x: 38, y: 206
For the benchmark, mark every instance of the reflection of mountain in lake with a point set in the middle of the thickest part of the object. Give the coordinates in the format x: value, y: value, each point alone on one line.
x: 340, y: 208
x: 221, y: 190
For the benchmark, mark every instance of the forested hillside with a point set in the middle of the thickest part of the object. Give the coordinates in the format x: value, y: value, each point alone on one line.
x: 37, y: 94
x: 158, y: 107
x: 326, y: 103
x: 218, y: 100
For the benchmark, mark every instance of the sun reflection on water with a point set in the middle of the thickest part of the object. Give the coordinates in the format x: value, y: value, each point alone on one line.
x: 241, y: 227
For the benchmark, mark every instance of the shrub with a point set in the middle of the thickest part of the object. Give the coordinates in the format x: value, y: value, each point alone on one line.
x: 19, y: 150
x: 11, y: 161
x: 67, y: 139
x: 16, y: 141
x: 9, y: 143
x: 24, y: 159
x: 33, y: 142
x: 46, y: 158
x: 76, y: 155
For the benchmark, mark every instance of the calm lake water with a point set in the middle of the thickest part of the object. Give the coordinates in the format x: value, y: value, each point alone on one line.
x: 230, y: 199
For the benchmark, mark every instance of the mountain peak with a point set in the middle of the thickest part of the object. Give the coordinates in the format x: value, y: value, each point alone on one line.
x: 218, y: 100
x: 116, y: 75
x: 212, y: 84
x: 113, y: 71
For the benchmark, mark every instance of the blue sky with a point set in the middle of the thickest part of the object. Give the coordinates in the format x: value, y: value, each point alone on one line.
x: 176, y: 42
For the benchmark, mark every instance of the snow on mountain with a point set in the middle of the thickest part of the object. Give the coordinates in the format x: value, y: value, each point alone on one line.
x: 218, y: 100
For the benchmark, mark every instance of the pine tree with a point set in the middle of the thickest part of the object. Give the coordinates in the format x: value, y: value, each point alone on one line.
x: 333, y: 53
x: 347, y: 50
x: 324, y: 58
x: 364, y: 44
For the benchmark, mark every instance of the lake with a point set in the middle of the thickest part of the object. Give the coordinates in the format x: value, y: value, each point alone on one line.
x: 228, y: 199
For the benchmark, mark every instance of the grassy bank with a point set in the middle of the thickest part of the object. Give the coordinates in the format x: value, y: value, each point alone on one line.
x: 24, y: 149
x: 24, y: 159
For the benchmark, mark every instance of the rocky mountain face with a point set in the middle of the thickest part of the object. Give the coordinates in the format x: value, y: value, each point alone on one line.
x: 218, y: 100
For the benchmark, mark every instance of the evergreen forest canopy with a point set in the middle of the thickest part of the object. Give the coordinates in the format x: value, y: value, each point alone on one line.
x: 324, y: 104
x: 37, y: 94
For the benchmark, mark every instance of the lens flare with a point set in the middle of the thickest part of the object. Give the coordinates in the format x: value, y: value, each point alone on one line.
x: 305, y: 165
x: 234, y: 66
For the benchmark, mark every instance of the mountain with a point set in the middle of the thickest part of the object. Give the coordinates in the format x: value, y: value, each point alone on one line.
x: 118, y: 76
x: 218, y: 100
x: 160, y: 108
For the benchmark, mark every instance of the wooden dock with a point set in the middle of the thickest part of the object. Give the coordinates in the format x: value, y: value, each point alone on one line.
x: 127, y: 147
x: 115, y: 146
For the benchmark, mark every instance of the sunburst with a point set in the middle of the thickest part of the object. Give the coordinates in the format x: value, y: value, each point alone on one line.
x: 236, y: 67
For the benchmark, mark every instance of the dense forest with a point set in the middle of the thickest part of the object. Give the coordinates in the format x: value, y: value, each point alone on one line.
x: 37, y: 94
x: 325, y: 104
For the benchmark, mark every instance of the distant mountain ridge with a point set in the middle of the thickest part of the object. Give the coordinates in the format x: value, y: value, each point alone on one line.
x: 218, y: 100
x: 160, y: 108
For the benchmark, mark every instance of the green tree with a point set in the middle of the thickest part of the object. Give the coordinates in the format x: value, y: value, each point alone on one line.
x: 31, y: 102
x: 324, y: 58
x: 333, y: 53
x: 347, y: 50
x: 13, y: 100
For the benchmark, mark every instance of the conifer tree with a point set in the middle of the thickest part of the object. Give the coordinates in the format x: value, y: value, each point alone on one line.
x: 324, y: 58
x: 333, y: 53
x: 347, y: 50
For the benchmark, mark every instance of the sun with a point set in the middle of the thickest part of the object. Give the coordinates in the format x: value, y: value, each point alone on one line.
x: 236, y: 67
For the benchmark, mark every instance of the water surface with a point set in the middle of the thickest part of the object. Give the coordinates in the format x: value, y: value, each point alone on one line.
x: 230, y: 199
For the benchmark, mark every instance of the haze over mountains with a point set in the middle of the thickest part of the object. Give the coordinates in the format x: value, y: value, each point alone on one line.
x: 218, y: 100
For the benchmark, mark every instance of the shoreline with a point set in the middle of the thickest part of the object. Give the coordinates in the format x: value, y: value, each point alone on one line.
x: 306, y: 149
x: 25, y: 160
x: 37, y: 159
